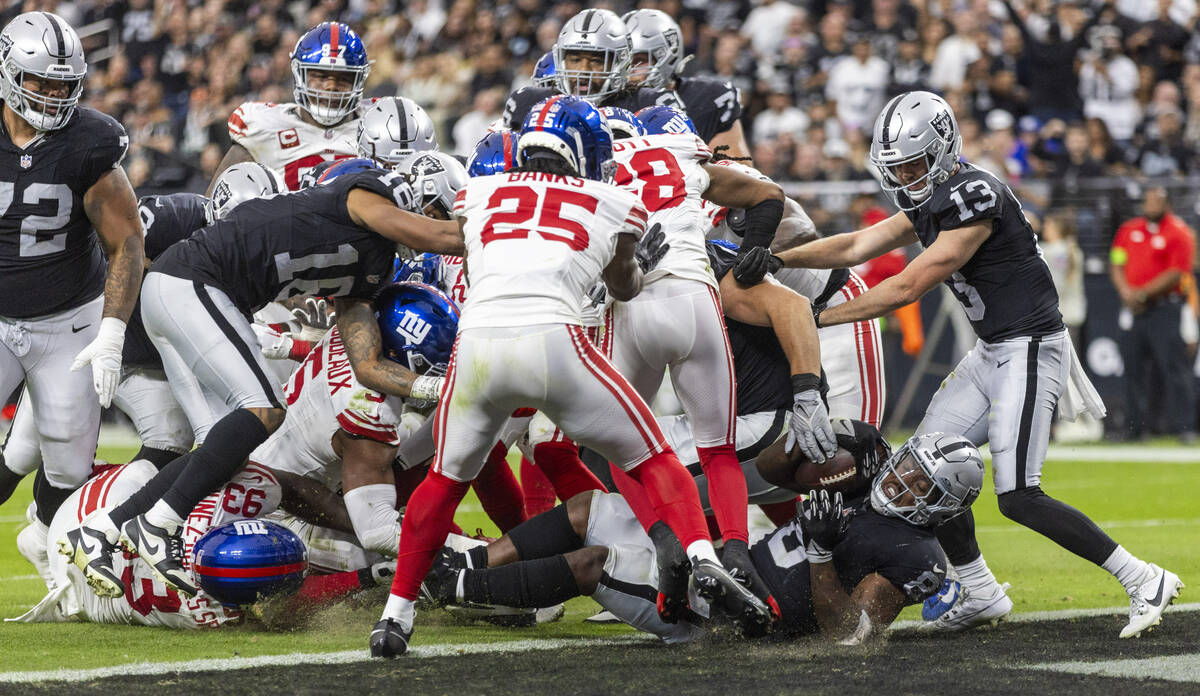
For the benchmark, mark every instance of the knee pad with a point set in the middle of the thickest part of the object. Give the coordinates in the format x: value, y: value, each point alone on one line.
x: 1016, y: 505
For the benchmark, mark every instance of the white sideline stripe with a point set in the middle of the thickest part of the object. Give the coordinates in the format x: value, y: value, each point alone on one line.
x: 1106, y: 524
x: 1060, y: 614
x: 15, y: 578
x: 290, y: 659
x: 1177, y: 668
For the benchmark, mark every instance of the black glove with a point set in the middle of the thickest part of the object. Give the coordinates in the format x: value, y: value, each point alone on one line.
x: 824, y: 523
x: 864, y: 441
x: 651, y: 248
x: 753, y: 264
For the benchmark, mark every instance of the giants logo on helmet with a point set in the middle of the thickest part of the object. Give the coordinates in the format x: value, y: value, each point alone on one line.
x: 247, y: 527
x: 413, y: 328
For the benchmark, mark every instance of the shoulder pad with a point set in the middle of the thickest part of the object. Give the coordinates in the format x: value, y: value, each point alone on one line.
x: 247, y: 118
x: 966, y: 198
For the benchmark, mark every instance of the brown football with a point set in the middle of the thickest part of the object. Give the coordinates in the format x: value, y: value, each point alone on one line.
x: 837, y: 475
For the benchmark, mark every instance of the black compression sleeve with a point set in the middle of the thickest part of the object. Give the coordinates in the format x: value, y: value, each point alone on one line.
x: 761, y: 222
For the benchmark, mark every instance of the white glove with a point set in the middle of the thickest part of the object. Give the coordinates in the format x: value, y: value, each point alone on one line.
x: 426, y: 390
x: 104, y: 355
x: 273, y: 345
x: 315, y: 319
x: 810, y: 427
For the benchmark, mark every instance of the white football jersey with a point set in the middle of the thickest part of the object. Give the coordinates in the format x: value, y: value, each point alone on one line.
x: 453, y: 279
x: 322, y: 397
x: 537, y: 243
x: 666, y: 171
x: 810, y: 282
x: 276, y: 136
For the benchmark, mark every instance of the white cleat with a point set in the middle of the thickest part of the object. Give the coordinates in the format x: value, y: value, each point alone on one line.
x: 973, y: 610
x: 1149, y: 600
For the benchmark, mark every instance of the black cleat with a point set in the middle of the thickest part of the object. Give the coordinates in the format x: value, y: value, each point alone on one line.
x: 441, y: 584
x: 715, y: 584
x: 674, y: 569
x: 161, y: 550
x: 389, y: 639
x: 736, y: 558
x: 91, y: 551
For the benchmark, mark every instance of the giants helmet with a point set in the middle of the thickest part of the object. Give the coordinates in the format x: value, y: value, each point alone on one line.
x: 240, y: 183
x: 593, y: 31
x: 915, y: 125
x: 931, y: 478
x: 45, y: 46
x: 495, y: 153
x: 243, y: 561
x: 665, y: 119
x: 329, y: 47
x: 418, y: 324
x: 350, y: 165
x: 655, y: 34
x: 424, y: 268
x: 622, y: 122
x: 436, y: 178
x: 394, y: 127
x: 572, y: 129
x: 543, y: 72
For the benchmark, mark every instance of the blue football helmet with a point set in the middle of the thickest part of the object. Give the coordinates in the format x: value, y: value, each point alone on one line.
x: 623, y: 122
x: 329, y: 47
x: 543, y: 72
x: 496, y: 153
x: 574, y: 129
x: 350, y: 165
x: 665, y: 119
x: 418, y: 324
x: 243, y: 561
x: 423, y: 268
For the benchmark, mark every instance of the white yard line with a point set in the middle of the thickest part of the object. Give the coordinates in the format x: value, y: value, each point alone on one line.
x: 14, y: 578
x: 1060, y: 614
x: 1104, y: 524
x: 1177, y: 668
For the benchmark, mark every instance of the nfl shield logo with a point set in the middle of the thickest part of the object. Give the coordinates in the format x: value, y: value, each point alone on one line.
x: 26, y: 161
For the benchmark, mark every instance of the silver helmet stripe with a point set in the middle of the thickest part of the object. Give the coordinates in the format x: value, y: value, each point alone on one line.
x: 887, y: 118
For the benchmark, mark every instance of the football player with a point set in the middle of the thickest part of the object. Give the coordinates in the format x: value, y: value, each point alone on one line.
x: 538, y: 238
x: 392, y: 128
x: 657, y: 60
x: 330, y: 68
x: 1005, y: 390
x: 65, y: 204
x: 843, y: 571
x: 335, y: 240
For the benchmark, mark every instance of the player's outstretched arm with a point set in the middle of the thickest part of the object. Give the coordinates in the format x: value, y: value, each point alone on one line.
x: 370, y: 491
x: 312, y: 502
x: 623, y: 275
x: 854, y: 618
x: 761, y: 199
x: 364, y: 346
x: 417, y: 232
x: 852, y: 248
x: 938, y: 262
x: 734, y: 142
x: 236, y: 153
x: 787, y: 312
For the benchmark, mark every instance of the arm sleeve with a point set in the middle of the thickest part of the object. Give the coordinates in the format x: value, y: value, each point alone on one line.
x: 372, y: 511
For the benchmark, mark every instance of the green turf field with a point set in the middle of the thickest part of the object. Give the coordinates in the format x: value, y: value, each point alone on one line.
x: 1148, y: 506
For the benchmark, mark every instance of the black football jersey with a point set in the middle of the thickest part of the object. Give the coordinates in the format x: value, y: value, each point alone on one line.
x: 1005, y: 288
x: 909, y: 557
x: 165, y: 220
x: 761, y: 368
x: 522, y: 101
x: 711, y: 103
x: 50, y: 257
x: 302, y: 243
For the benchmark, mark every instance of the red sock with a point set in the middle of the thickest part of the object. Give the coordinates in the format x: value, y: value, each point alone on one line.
x: 407, y: 481
x: 563, y: 468
x: 323, y: 589
x: 726, y: 490
x: 714, y: 529
x: 780, y: 513
x: 674, y: 496
x: 539, y: 494
x: 498, y: 490
x: 634, y: 494
x: 426, y: 523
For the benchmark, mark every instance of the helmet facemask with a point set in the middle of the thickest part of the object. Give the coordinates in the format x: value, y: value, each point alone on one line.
x: 909, y: 488
x: 583, y: 82
x: 328, y: 107
x: 43, y: 112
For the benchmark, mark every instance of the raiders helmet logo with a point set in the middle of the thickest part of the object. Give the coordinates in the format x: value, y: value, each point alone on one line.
x: 941, y: 124
x: 427, y: 164
x: 221, y: 195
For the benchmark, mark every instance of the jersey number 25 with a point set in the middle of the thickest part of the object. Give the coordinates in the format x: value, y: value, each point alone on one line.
x: 548, y: 210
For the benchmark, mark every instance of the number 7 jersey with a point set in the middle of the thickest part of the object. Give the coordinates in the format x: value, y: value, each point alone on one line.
x: 1005, y: 287
x: 537, y: 243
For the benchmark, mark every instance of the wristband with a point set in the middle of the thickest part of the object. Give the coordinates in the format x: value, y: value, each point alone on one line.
x: 817, y: 317
x: 427, y: 388
x: 299, y: 350
x: 805, y: 381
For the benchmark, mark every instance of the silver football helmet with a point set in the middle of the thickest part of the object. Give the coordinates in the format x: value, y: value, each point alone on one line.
x: 42, y: 45
x: 931, y: 478
x: 394, y: 127
x: 436, y: 178
x: 593, y: 31
x: 915, y: 125
x: 240, y: 183
x: 654, y: 33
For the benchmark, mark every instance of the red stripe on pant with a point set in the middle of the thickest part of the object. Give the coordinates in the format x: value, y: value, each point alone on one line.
x: 731, y: 430
x: 607, y: 375
x: 439, y: 416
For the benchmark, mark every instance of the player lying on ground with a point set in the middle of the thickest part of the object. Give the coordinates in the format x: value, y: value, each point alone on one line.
x: 842, y: 570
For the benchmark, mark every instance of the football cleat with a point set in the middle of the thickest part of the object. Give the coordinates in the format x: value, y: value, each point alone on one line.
x: 161, y: 550
x: 736, y: 557
x: 389, y: 639
x: 972, y: 610
x: 92, y: 552
x: 941, y: 602
x: 441, y: 584
x: 714, y: 583
x: 674, y: 570
x: 1149, y: 600
x: 32, y: 545
x: 604, y: 617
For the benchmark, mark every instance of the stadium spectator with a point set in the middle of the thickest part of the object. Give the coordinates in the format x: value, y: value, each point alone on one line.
x: 858, y: 83
x: 1150, y: 257
x: 1108, y: 80
x: 780, y: 117
x: 955, y: 53
x: 1053, y: 84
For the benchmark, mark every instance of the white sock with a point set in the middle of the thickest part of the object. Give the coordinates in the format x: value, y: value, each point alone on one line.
x: 103, y: 523
x: 401, y: 610
x: 161, y: 515
x: 976, y: 576
x: 1128, y: 570
x: 459, y: 587
x: 702, y: 550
